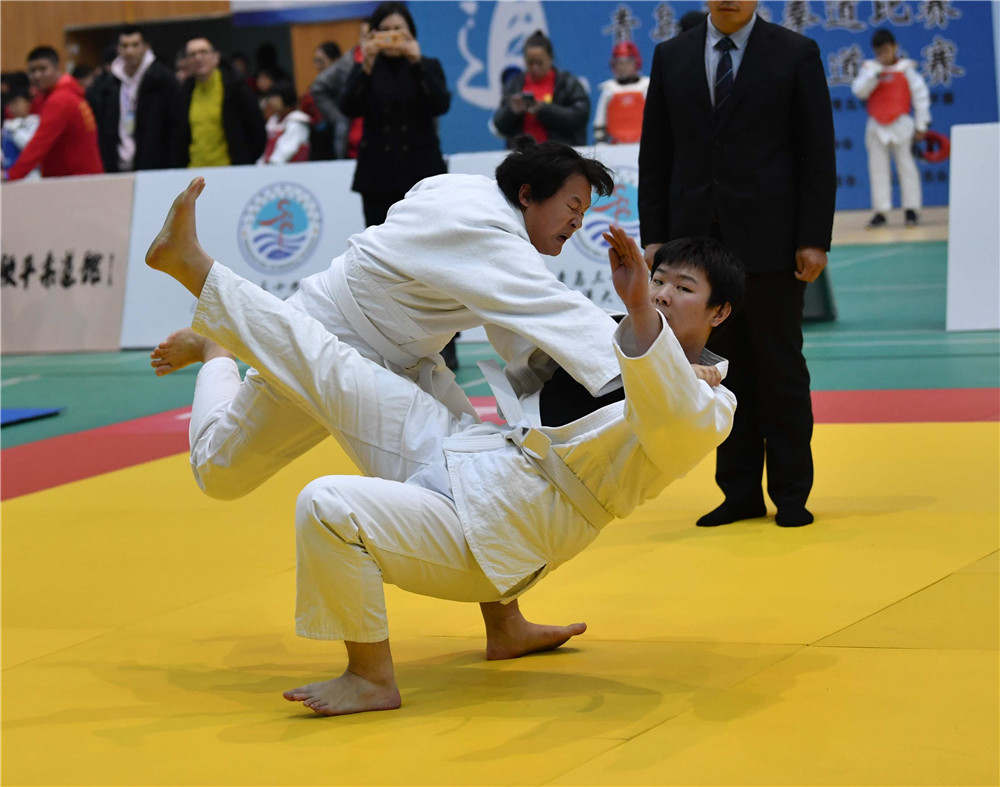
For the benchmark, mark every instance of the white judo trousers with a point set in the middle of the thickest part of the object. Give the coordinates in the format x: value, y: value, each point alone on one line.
x: 895, y: 140
x: 353, y: 533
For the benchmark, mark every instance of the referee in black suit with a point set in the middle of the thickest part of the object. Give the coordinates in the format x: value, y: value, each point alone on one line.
x: 737, y: 144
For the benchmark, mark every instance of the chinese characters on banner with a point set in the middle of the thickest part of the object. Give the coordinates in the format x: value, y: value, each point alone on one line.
x: 62, y: 267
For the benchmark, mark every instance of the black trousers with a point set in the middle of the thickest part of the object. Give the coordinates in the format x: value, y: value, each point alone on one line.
x: 768, y: 374
x: 376, y: 206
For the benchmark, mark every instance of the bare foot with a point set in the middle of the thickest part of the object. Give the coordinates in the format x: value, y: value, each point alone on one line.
x: 509, y: 635
x: 349, y: 693
x: 181, y: 348
x: 175, y: 250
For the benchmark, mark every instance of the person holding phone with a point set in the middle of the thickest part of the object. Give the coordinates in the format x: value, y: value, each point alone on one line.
x: 399, y: 93
x: 543, y: 102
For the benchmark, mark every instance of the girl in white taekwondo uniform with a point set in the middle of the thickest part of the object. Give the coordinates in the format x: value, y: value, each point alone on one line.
x: 457, y: 252
x: 459, y: 510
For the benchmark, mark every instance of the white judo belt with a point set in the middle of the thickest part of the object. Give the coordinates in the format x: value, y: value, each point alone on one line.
x: 537, y: 446
x: 430, y: 373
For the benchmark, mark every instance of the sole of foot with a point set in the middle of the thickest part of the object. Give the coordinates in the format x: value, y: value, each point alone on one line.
x: 181, y: 348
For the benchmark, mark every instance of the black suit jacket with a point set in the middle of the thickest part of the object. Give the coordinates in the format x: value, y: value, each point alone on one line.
x: 159, y: 120
x: 764, y: 168
x: 400, y: 102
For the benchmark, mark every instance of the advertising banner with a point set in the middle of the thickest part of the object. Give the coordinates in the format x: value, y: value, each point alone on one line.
x: 272, y: 225
x: 64, y: 245
x: 952, y: 43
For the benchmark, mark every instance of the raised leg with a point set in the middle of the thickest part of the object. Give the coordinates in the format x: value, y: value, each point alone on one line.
x: 175, y: 250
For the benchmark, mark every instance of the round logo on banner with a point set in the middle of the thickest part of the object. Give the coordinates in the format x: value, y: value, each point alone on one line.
x: 620, y: 208
x: 279, y: 228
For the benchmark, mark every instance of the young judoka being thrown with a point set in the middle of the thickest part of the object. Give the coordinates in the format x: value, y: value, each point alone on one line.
x: 454, y: 509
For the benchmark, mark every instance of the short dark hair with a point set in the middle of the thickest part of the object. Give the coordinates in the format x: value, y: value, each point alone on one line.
x: 539, y: 39
x: 691, y: 19
x: 211, y: 43
x: 546, y: 167
x: 284, y: 90
x: 331, y: 49
x: 721, y: 267
x: 388, y: 9
x: 131, y: 30
x: 17, y: 92
x: 44, y: 53
x: 882, y: 37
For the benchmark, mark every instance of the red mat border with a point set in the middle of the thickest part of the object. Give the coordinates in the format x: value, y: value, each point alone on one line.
x: 44, y: 464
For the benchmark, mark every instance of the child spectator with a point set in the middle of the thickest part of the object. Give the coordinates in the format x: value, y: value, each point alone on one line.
x: 618, y: 117
x: 18, y: 130
x: 287, y: 126
x: 892, y: 86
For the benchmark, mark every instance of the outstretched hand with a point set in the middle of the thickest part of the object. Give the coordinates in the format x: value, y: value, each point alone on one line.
x: 631, y: 279
x: 628, y: 268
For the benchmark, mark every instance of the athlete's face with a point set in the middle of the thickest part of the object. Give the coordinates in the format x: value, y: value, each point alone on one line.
x: 681, y: 293
x: 552, y: 222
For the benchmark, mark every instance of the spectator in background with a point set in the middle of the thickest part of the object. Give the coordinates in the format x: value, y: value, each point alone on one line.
x: 267, y: 70
x: 399, y: 93
x: 19, y: 128
x: 543, y: 102
x: 137, y: 104
x: 85, y: 76
x: 322, y: 131
x: 287, y: 127
x: 326, y: 55
x: 891, y: 87
x: 241, y: 66
x: 65, y: 142
x: 326, y: 91
x: 13, y: 83
x: 225, y: 125
x: 618, y: 118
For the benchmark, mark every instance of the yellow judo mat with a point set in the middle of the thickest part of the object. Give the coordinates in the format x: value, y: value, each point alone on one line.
x: 148, y: 634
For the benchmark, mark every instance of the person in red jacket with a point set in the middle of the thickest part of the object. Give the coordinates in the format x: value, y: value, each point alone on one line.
x: 66, y: 140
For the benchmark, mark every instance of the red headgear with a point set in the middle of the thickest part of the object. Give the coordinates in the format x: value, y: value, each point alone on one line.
x: 627, y: 49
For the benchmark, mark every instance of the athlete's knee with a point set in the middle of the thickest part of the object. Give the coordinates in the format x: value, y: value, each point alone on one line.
x: 221, y: 483
x: 321, y: 504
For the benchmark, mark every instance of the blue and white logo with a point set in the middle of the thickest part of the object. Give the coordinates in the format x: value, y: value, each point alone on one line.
x: 620, y: 208
x: 279, y: 228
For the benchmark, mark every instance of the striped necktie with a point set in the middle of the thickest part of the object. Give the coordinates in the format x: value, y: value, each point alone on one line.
x: 724, y: 73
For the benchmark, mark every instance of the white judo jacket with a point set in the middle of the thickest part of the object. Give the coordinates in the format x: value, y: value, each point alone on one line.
x: 521, y: 527
x: 455, y: 254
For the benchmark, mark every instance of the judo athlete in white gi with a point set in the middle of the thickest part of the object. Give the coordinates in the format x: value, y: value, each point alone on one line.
x: 892, y: 85
x: 457, y: 252
x: 475, y: 512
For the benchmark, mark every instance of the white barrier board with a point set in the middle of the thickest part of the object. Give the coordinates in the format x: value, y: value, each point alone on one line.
x: 64, y: 263
x: 272, y: 225
x: 973, y: 229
